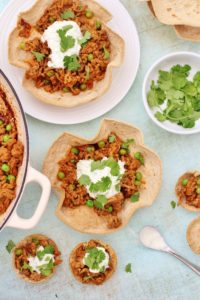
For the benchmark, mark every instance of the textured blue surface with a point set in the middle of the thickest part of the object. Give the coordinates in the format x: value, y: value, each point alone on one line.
x: 155, y: 275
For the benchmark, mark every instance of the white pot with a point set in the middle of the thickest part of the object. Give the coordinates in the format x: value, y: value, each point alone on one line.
x: 26, y: 173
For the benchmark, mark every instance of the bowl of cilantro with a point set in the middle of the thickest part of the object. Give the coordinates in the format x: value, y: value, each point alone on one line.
x: 171, y: 92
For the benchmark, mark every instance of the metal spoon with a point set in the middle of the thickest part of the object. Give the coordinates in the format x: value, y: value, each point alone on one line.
x: 150, y: 237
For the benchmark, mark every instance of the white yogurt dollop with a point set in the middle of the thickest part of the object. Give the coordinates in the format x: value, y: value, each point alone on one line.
x: 52, y: 38
x: 35, y: 263
x: 84, y: 168
x: 103, y: 264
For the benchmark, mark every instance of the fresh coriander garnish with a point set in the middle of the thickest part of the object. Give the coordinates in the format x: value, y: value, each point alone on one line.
x: 39, y: 56
x: 84, y: 180
x: 180, y: 96
x: 110, y: 162
x: 47, y: 250
x: 10, y: 245
x: 101, y: 186
x: 135, y: 197
x: 94, y: 258
x: 72, y: 63
x: 173, y: 204
x: 100, y: 201
x: 128, y: 268
x: 66, y: 42
x: 87, y: 36
x: 68, y: 14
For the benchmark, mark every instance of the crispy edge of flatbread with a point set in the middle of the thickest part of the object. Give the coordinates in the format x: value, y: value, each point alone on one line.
x: 83, y: 218
x: 17, y: 57
x: 193, y: 235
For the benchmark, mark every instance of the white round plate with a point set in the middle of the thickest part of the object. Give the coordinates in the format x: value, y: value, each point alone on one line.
x: 123, y: 77
x: 165, y: 63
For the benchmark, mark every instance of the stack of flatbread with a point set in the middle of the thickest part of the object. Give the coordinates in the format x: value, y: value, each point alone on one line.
x: 184, y: 15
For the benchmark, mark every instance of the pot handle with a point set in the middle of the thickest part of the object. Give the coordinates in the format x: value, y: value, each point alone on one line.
x: 17, y: 222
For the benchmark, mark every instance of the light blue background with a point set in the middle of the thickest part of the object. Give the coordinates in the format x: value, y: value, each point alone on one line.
x: 155, y: 275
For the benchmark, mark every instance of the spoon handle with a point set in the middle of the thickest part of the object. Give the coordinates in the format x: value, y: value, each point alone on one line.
x: 192, y: 266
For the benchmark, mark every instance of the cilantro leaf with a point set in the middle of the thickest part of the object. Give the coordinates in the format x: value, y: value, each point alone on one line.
x: 173, y: 204
x: 94, y: 258
x: 101, y: 186
x: 10, y: 245
x: 68, y: 14
x: 71, y: 63
x: 66, y: 42
x: 128, y: 268
x: 100, y: 201
x: 39, y: 56
x: 87, y: 36
x: 84, y: 180
x: 160, y: 117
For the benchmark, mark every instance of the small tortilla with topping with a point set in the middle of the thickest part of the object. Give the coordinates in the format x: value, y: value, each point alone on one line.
x: 193, y: 235
x: 109, y: 250
x: 179, y: 187
x: 18, y: 57
x: 82, y: 218
x: 23, y: 243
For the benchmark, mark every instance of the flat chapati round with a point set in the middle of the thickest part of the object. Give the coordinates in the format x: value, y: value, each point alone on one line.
x: 177, y: 12
x: 188, y: 32
x: 82, y: 218
x: 193, y: 235
x: 18, y: 57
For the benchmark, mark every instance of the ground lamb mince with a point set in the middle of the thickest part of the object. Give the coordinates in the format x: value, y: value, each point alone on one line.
x: 76, y: 195
x: 82, y: 272
x: 11, y: 153
x: 29, y: 248
x: 91, y: 70
x: 188, y: 190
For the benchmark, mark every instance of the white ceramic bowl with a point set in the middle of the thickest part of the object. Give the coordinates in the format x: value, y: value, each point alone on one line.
x: 165, y: 63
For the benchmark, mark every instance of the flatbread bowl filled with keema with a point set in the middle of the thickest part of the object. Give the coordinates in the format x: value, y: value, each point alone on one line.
x: 103, y: 181
x: 67, y: 51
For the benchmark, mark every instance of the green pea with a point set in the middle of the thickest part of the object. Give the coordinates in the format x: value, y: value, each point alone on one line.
x: 18, y: 252
x: 83, y: 87
x: 101, y: 144
x: 90, y: 203
x: 6, y: 138
x: 9, y: 127
x: 110, y: 209
x: 198, y: 181
x: 137, y: 182
x: 90, y: 57
x: 35, y: 241
x: 184, y: 182
x: 50, y: 73
x: 89, y: 14
x: 52, y: 19
x: 198, y: 190
x: 139, y: 157
x: 90, y: 149
x: 5, y: 168
x: 73, y: 161
x: 98, y: 25
x: 61, y: 175
x: 122, y: 152
x: 11, y: 178
x: 22, y: 45
x: 75, y: 151
x: 138, y: 176
x: 112, y: 139
x: 65, y: 89
x: 72, y: 187
x: 1, y: 122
